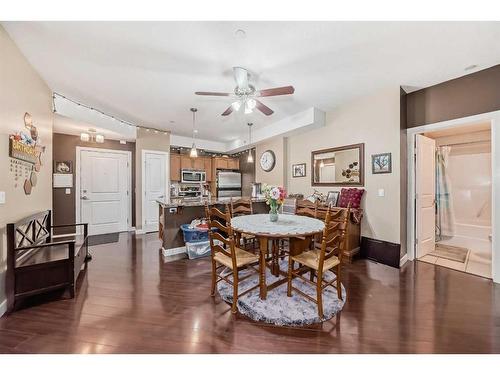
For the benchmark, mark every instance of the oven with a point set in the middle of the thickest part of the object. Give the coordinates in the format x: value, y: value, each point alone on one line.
x: 191, y: 177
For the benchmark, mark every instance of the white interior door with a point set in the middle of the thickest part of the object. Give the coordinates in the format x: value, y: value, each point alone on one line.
x: 425, y: 195
x: 104, y: 191
x: 155, y: 187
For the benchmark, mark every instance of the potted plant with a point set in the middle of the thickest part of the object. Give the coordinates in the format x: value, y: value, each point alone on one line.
x: 275, y: 195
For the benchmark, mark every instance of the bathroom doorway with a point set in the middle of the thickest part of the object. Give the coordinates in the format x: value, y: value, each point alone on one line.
x: 453, y: 179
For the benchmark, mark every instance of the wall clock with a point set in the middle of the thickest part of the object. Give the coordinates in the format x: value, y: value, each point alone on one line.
x: 267, y: 160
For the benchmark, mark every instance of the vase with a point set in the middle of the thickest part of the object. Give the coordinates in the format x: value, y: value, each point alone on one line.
x: 273, y: 213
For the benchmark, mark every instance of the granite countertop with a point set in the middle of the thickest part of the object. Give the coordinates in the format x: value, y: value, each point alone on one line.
x: 180, y: 202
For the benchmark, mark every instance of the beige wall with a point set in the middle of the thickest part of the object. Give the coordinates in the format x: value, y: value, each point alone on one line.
x: 278, y: 175
x: 146, y: 141
x: 21, y: 90
x: 373, y: 120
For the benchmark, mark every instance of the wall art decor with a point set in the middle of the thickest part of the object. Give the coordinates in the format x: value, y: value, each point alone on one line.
x: 64, y: 167
x: 382, y: 163
x: 299, y: 170
x: 25, y: 152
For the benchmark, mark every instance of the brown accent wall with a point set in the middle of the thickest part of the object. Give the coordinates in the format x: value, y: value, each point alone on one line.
x: 64, y: 205
x: 469, y: 95
x: 247, y: 173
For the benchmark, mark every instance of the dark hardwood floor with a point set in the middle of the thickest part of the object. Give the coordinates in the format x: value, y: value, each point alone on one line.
x: 129, y: 301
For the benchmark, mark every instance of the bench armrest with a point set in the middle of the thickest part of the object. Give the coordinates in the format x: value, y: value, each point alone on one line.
x: 47, y: 244
x: 67, y: 225
x: 85, y: 227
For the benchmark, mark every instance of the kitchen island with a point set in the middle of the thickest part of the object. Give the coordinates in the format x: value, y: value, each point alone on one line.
x: 177, y: 211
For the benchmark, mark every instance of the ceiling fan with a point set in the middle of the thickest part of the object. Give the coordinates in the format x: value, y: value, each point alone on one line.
x: 245, y: 94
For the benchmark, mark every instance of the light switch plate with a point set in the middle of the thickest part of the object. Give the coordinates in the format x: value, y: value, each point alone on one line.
x: 2, y: 197
x: 68, y: 191
x: 381, y: 192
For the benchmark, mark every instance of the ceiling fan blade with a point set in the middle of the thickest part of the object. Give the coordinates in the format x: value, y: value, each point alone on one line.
x: 286, y: 90
x: 212, y: 93
x: 263, y: 108
x: 228, y: 111
x: 241, y: 77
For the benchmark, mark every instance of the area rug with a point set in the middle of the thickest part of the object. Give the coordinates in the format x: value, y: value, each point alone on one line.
x: 455, y: 253
x: 101, y: 239
x: 278, y: 309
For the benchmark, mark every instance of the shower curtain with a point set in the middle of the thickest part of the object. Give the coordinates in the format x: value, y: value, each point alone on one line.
x: 444, y: 205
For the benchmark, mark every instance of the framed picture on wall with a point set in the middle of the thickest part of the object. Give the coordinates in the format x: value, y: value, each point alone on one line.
x: 63, y: 167
x: 332, y: 198
x: 382, y: 163
x: 299, y: 170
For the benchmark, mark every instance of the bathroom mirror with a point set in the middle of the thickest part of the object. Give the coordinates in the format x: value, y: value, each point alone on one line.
x: 338, y: 166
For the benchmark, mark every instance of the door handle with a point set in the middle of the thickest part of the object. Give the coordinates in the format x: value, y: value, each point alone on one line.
x: 161, y: 196
x: 84, y: 197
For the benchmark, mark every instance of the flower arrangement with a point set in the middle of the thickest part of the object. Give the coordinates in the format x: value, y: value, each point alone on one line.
x: 275, y: 195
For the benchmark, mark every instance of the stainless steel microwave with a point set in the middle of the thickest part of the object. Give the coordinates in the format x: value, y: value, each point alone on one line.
x: 193, y: 177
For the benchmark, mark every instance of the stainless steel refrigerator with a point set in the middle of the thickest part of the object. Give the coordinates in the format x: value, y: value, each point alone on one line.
x: 228, y: 184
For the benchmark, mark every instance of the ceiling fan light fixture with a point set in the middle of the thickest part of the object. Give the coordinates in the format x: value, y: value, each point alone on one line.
x: 248, y: 110
x: 236, y: 105
x: 251, y: 103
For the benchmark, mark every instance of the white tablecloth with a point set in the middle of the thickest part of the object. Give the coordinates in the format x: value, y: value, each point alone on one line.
x: 286, y: 224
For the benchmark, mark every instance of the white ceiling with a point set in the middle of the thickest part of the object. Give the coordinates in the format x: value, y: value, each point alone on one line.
x: 147, y: 72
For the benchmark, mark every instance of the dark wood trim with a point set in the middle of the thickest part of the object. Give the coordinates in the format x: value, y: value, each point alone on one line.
x: 360, y: 146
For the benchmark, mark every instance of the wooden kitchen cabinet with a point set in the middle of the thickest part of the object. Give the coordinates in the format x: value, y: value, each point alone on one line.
x: 226, y: 163
x: 233, y: 163
x: 208, y: 168
x: 199, y: 164
x: 175, y: 167
x: 220, y: 163
x: 186, y: 162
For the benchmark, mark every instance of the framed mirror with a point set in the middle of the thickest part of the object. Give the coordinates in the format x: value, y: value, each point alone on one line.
x: 338, y: 166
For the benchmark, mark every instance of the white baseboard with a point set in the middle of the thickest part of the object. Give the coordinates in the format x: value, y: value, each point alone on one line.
x: 403, y: 260
x: 173, y: 251
x: 3, y: 307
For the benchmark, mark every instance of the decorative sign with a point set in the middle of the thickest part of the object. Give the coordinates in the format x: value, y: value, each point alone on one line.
x: 26, y: 155
x: 21, y: 151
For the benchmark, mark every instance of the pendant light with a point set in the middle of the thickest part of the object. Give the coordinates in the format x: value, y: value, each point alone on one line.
x: 250, y: 156
x: 194, y: 152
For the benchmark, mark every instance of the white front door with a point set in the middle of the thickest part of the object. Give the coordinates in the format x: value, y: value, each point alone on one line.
x: 154, y: 186
x: 104, y: 196
x: 425, y: 179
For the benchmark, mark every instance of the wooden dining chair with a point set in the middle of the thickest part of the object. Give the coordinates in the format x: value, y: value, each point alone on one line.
x: 225, y: 254
x: 318, y: 261
x: 239, y: 207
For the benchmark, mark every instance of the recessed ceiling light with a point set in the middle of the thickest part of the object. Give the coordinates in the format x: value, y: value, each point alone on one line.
x: 240, y: 34
x: 470, y: 67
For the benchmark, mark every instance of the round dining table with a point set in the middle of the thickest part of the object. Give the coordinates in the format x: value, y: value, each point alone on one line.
x: 293, y: 227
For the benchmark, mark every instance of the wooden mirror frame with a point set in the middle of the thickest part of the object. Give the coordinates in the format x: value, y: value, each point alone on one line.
x: 361, y: 153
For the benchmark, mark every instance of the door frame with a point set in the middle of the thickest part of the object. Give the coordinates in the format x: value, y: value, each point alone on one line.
x: 143, y: 181
x: 494, y: 119
x: 79, y: 149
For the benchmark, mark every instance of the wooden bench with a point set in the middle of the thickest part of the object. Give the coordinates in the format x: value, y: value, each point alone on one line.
x: 38, y: 263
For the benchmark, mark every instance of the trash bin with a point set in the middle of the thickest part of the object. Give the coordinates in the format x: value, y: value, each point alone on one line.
x: 194, y: 234
x: 198, y: 249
